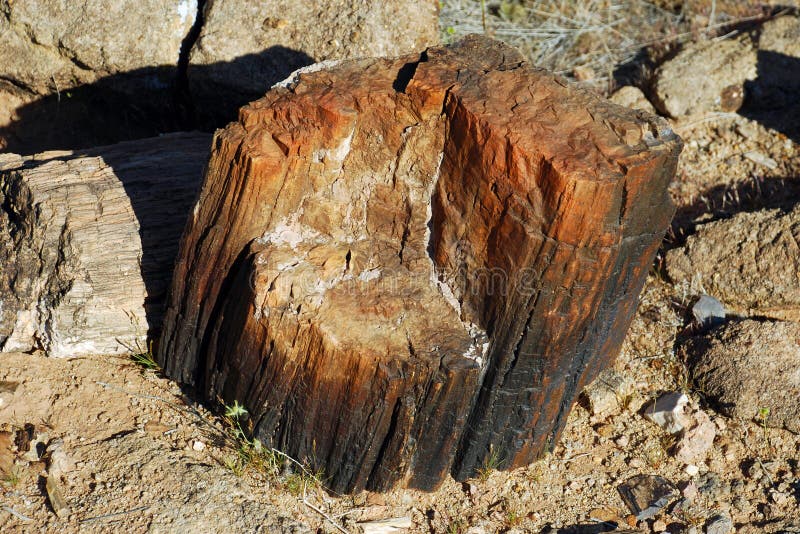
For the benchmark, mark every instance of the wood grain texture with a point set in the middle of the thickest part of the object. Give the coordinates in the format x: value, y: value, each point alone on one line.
x: 88, y: 240
x: 404, y: 266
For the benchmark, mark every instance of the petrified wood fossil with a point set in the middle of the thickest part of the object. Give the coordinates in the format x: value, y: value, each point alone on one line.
x: 88, y: 240
x: 404, y: 266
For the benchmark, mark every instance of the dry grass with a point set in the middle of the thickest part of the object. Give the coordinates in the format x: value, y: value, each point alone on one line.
x: 589, y: 39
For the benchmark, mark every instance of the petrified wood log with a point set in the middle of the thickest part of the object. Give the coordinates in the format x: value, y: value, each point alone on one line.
x: 88, y: 240
x: 404, y: 266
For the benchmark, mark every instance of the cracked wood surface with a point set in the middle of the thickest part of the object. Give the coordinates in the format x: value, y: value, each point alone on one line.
x: 405, y: 266
x: 88, y: 240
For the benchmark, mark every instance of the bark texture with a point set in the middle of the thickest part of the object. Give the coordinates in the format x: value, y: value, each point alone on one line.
x: 404, y: 266
x: 88, y: 240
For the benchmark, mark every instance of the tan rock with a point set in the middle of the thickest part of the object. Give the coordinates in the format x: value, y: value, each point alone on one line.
x: 750, y: 370
x: 632, y: 97
x: 705, y: 76
x: 751, y: 262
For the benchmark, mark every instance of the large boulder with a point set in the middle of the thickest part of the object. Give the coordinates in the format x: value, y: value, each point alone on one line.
x: 244, y: 47
x: 705, y: 76
x: 48, y: 45
x: 751, y: 370
x: 751, y: 262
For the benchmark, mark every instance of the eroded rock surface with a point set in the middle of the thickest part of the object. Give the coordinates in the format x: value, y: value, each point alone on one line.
x: 751, y: 370
x: 750, y: 261
x: 705, y: 76
x: 403, y: 266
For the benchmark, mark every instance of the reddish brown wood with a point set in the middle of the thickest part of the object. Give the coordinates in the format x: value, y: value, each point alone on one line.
x: 403, y: 266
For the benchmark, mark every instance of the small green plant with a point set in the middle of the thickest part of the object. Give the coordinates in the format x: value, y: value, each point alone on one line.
x: 251, y: 453
x: 512, y: 12
x: 146, y: 359
x: 13, y: 477
x: 490, y: 464
x: 457, y: 526
x: 235, y: 412
x: 513, y: 518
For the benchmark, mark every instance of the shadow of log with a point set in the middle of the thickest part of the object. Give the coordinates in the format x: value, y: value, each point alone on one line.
x: 772, y: 98
x: 145, y: 102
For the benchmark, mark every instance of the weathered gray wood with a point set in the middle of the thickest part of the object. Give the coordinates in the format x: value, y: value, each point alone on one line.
x: 88, y: 239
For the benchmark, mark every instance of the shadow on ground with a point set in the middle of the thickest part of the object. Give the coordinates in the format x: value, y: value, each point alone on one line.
x: 773, y: 98
x: 147, y: 102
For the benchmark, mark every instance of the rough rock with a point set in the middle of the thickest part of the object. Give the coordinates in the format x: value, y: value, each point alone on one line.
x: 606, y: 395
x: 280, y: 36
x: 708, y: 312
x: 719, y: 524
x: 387, y: 233
x: 87, y: 242
x: 48, y: 46
x: 696, y: 440
x: 632, y: 97
x: 646, y: 495
x: 750, y: 366
x: 705, y: 76
x: 668, y: 411
x: 750, y: 261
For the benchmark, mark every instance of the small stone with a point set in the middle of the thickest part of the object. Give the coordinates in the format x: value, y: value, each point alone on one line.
x: 696, y: 441
x: 760, y: 159
x: 155, y: 428
x: 635, y: 463
x: 584, y: 73
x: 622, y: 441
x: 606, y: 394
x: 604, y: 431
x: 780, y: 498
x: 604, y: 515
x: 646, y: 495
x: 668, y: 412
x: 632, y: 97
x: 659, y: 526
x: 689, y: 491
x: 708, y: 312
x: 719, y: 524
x: 692, y: 470
x: 198, y: 445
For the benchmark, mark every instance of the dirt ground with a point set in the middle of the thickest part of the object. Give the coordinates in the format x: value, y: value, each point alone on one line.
x: 133, y: 452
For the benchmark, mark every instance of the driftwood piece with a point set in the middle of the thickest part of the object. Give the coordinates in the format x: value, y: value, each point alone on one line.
x: 88, y: 240
x: 404, y: 267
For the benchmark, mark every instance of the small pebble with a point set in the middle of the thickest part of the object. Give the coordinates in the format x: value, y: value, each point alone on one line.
x: 692, y: 470
x: 198, y: 445
x: 659, y: 526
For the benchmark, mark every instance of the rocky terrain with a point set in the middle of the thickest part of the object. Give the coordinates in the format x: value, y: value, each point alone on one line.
x: 694, y: 429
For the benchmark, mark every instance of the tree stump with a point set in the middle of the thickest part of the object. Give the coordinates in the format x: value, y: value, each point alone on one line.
x: 404, y: 267
x: 88, y: 240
